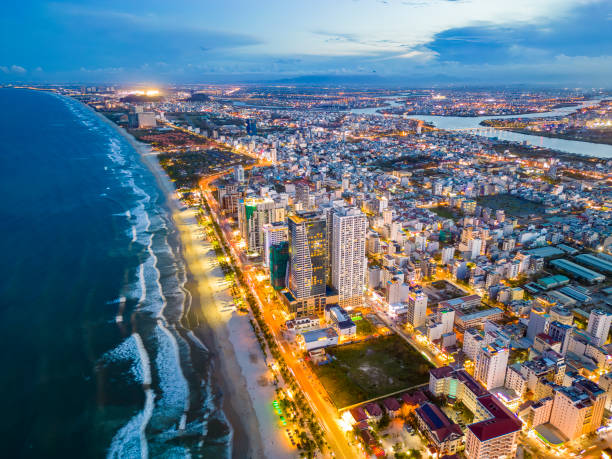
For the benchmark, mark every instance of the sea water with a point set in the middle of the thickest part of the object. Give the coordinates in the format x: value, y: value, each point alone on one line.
x: 95, y: 358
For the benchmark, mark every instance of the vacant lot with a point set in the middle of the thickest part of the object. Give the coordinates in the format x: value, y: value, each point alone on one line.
x: 370, y: 369
x: 512, y: 205
x: 447, y: 212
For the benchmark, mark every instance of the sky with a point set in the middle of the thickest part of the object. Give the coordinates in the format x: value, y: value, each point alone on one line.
x: 567, y: 42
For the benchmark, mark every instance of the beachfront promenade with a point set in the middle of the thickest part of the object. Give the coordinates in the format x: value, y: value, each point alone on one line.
x: 325, y: 412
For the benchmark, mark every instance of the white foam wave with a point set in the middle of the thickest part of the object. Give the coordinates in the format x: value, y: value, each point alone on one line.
x: 174, y: 389
x: 130, y: 440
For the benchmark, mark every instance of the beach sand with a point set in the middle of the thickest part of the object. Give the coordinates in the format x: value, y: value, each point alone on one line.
x: 239, y: 369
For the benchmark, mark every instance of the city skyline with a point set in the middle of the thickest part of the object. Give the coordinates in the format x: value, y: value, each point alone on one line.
x: 375, y: 42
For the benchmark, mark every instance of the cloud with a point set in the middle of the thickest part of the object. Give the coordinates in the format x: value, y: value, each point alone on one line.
x: 13, y: 69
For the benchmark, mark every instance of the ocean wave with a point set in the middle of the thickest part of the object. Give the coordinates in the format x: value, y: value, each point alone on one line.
x: 131, y: 350
x: 174, y: 401
x: 131, y: 441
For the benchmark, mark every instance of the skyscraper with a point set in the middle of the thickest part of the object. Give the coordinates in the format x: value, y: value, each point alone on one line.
x: 348, y: 262
x: 491, y: 365
x: 308, y: 261
x: 599, y: 325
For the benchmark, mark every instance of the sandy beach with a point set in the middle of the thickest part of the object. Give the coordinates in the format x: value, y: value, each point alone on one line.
x: 239, y: 371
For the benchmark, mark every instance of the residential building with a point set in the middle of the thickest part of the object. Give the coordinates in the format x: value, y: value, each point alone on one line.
x: 348, y: 260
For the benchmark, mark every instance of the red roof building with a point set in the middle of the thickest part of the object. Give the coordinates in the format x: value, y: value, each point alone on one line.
x: 392, y: 406
x: 358, y: 414
x: 446, y: 436
x: 373, y: 410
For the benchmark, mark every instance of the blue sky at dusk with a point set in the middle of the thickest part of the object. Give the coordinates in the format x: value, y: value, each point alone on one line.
x: 480, y: 41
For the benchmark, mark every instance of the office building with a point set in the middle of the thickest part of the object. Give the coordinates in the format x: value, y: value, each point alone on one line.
x: 348, y: 260
x: 307, y: 262
x: 278, y: 262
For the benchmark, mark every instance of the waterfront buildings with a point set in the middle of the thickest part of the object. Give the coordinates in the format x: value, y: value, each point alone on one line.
x: 307, y: 262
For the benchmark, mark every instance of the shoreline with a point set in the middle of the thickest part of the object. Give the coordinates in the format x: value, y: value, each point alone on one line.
x: 226, y: 375
x: 548, y: 135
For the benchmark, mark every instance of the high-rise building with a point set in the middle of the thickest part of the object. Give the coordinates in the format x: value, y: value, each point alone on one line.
x: 348, y: 260
x: 307, y: 261
x: 491, y: 365
x: 253, y: 215
x: 274, y: 233
x: 599, y: 325
x: 417, y: 307
x: 279, y: 260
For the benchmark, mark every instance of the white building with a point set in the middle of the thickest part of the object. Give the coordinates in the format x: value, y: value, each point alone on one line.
x: 417, y: 307
x: 599, y: 325
x: 447, y: 254
x: 491, y: 365
x: 348, y: 260
x: 239, y: 173
x: 274, y: 233
x: 473, y: 341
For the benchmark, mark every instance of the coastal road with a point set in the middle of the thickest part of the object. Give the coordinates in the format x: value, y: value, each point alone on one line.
x: 327, y: 414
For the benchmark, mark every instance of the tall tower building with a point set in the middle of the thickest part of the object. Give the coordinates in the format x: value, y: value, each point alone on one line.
x: 308, y: 261
x: 348, y: 261
x: 491, y: 365
x: 599, y: 325
x: 417, y: 307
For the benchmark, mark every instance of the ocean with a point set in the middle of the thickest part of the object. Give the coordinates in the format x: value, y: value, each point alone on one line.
x: 97, y: 360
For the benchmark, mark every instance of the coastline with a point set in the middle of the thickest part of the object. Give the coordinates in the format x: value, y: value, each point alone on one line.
x: 549, y: 135
x: 226, y: 373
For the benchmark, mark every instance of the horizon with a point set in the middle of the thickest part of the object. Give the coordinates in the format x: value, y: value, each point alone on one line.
x: 420, y: 43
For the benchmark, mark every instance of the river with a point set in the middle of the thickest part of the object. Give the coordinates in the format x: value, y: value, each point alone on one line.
x: 472, y: 123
